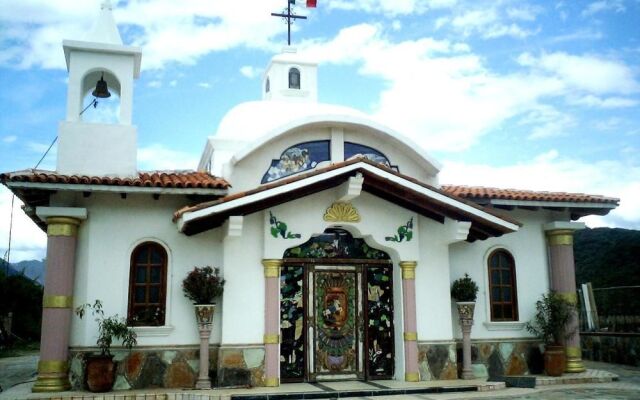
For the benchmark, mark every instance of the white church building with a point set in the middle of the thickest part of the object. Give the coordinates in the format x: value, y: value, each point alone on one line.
x: 337, y: 241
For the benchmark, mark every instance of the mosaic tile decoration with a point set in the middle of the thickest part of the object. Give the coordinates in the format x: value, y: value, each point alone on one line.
x: 352, y: 150
x: 298, y: 158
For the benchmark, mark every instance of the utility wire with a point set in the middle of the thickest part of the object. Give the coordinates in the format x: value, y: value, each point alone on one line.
x: 46, y: 152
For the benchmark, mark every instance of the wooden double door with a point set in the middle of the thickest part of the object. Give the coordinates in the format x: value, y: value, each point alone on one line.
x: 336, y: 321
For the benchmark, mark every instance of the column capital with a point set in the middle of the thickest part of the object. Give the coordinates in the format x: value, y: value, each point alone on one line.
x: 561, y: 233
x: 62, y: 226
x: 272, y: 267
x: 408, y: 269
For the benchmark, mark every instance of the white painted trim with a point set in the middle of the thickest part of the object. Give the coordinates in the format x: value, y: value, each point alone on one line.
x: 115, y: 189
x: 151, y: 331
x: 108, y: 48
x: 572, y: 226
x: 504, y: 326
x: 215, y: 209
x: 560, y: 204
x: 73, y: 212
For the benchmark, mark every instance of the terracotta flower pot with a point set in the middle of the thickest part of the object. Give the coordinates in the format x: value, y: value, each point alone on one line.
x: 100, y: 374
x: 554, y: 360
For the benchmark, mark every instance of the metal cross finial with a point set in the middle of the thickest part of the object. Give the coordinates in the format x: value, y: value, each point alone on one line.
x: 289, y: 18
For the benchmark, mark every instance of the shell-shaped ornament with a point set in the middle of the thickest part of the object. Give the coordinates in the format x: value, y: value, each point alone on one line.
x: 342, y: 212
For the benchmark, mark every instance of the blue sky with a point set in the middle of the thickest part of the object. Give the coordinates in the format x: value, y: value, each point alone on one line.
x: 538, y: 95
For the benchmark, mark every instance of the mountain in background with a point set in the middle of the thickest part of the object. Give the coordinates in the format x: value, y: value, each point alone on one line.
x: 609, y: 258
x: 32, y: 269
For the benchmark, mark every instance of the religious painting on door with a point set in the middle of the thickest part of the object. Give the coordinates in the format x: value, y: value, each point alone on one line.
x: 336, y: 312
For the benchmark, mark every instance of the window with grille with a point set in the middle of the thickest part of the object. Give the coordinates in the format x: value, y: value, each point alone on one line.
x: 502, y: 286
x: 148, y: 285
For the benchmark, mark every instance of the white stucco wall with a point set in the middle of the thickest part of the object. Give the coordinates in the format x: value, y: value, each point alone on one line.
x: 529, y: 249
x: 105, y: 242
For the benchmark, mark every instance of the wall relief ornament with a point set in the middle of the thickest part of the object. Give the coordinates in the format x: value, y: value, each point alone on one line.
x: 341, y: 212
x: 405, y: 232
x: 280, y: 229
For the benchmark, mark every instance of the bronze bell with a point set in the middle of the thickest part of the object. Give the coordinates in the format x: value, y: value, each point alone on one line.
x: 101, y: 91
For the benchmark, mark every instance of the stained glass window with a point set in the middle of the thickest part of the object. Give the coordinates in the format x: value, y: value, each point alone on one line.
x: 298, y: 158
x: 335, y: 243
x: 147, y: 285
x: 352, y: 150
x: 502, y: 286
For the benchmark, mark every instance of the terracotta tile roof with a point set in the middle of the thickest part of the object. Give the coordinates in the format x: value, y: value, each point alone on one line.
x: 489, y: 193
x: 159, y: 179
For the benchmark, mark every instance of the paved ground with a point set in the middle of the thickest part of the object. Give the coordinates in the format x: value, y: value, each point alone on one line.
x: 14, y: 370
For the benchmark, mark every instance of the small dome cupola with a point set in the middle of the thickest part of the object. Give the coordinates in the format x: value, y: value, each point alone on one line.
x: 291, y: 77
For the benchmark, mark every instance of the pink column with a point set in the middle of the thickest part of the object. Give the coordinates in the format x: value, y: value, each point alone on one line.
x: 272, y: 321
x: 411, y: 372
x: 563, y: 281
x: 57, y: 305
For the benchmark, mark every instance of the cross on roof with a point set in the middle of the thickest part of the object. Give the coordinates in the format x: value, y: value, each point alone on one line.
x: 289, y: 18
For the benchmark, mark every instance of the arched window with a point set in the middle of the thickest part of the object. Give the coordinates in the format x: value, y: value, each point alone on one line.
x: 294, y: 78
x: 147, y: 285
x: 502, y: 286
x: 267, y: 86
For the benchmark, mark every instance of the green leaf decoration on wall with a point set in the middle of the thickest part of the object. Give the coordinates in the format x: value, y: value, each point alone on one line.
x: 405, y: 232
x: 280, y: 229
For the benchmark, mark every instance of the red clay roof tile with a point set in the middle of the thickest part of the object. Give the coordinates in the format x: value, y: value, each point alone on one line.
x: 479, y: 192
x: 160, y: 179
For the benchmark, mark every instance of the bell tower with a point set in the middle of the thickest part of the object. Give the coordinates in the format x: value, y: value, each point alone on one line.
x: 103, y: 66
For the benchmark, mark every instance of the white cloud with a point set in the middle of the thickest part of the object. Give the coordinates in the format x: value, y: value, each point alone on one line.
x: 602, y: 6
x: 9, y: 139
x: 552, y: 172
x: 491, y: 22
x: 524, y: 12
x: 159, y: 157
x: 28, y: 242
x: 585, y: 72
x: 547, y: 121
x: 168, y: 31
x: 390, y: 7
x: 608, y: 102
x: 251, y: 72
x: 154, y: 84
x: 204, y: 85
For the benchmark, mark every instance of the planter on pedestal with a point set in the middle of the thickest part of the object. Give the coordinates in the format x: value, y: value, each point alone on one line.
x: 204, y: 318
x: 465, y: 312
x: 201, y: 286
x: 465, y: 291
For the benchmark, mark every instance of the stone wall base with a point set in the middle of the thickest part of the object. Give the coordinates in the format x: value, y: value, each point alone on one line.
x: 612, y: 348
x: 443, y: 360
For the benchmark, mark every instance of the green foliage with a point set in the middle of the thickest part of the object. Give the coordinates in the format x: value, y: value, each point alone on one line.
x: 553, y: 313
x: 610, y: 257
x: 279, y: 228
x: 202, y: 285
x: 22, y: 297
x: 109, y: 328
x: 404, y: 232
x: 464, y: 289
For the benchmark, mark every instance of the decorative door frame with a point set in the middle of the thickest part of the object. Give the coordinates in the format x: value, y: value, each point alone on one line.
x: 361, y: 266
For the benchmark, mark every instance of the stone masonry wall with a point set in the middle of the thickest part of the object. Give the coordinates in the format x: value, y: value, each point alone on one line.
x: 612, y: 348
x: 443, y: 360
x: 177, y: 367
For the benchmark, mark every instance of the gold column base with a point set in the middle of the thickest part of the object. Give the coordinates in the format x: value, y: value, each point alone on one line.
x: 574, y: 360
x: 271, y: 382
x: 52, y: 377
x: 412, y: 377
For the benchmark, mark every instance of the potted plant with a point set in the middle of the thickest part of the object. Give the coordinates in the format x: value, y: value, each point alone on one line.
x: 465, y: 291
x: 202, y: 286
x: 553, y: 313
x: 100, y: 371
